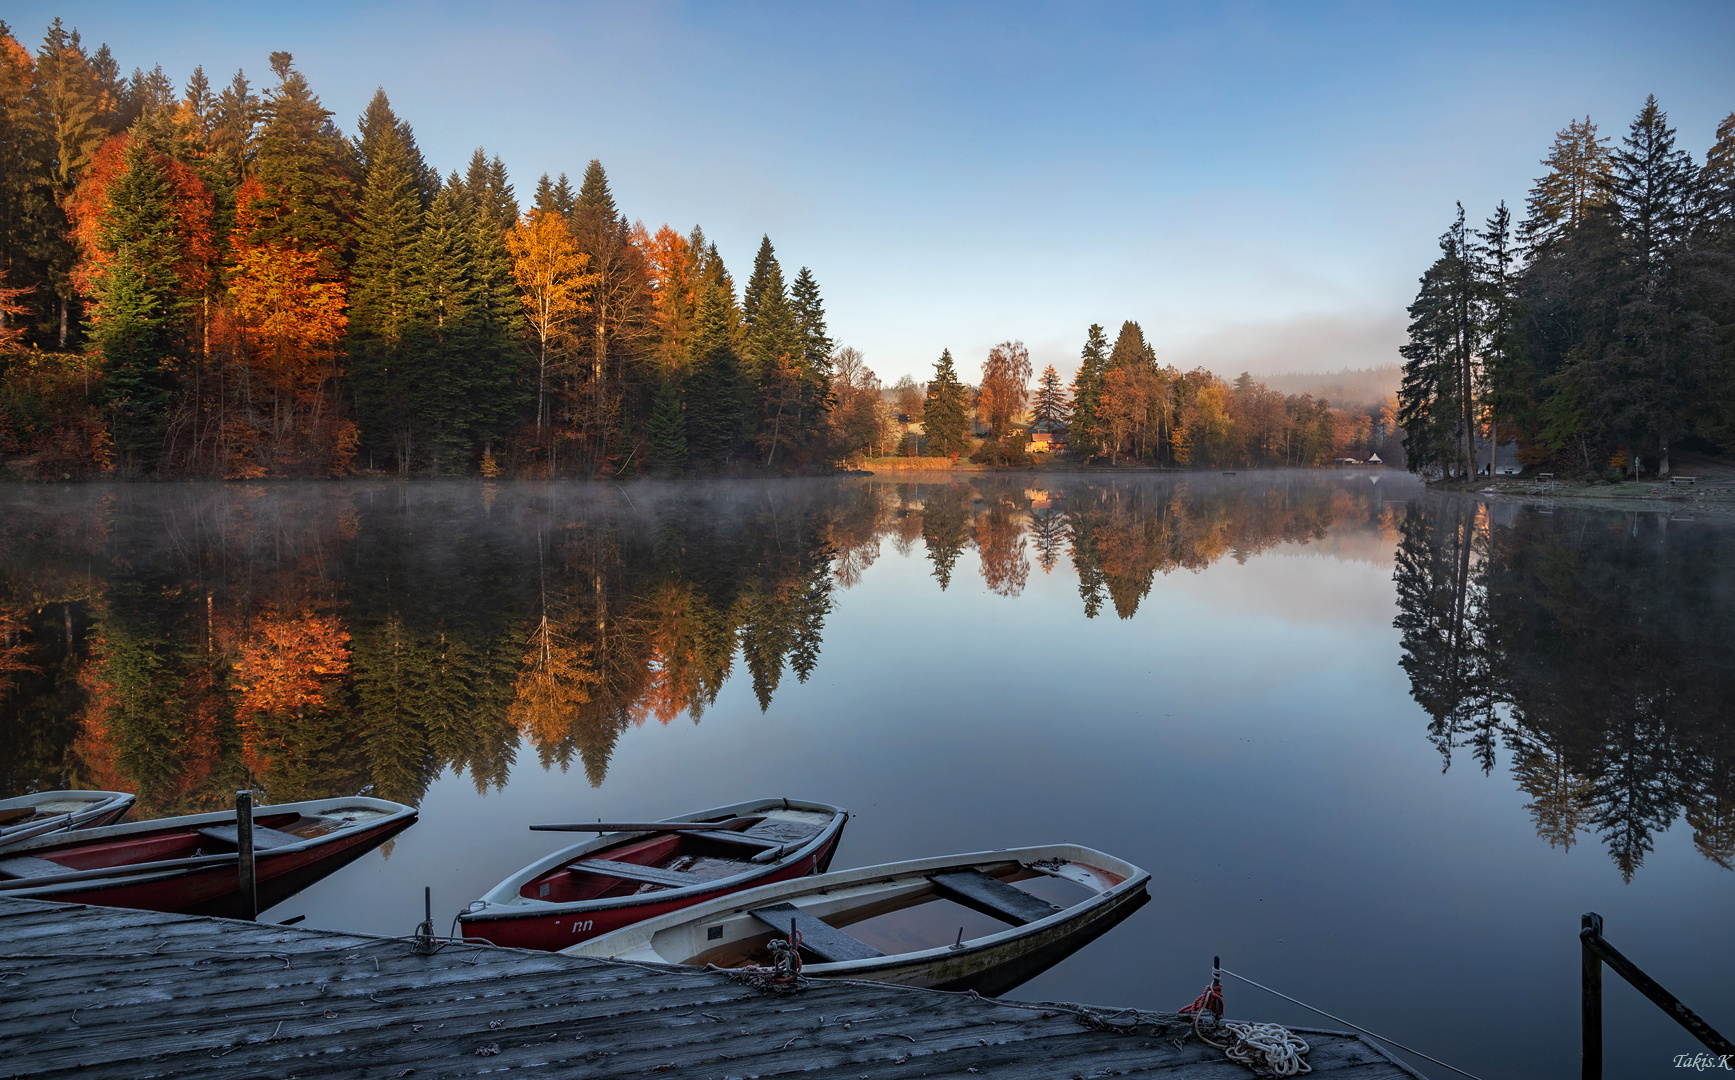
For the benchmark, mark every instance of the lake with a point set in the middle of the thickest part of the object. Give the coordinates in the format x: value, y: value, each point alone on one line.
x: 1380, y: 747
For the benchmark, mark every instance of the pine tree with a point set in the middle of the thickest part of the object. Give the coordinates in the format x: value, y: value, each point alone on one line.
x: 555, y: 198
x: 499, y: 386
x: 1717, y: 186
x: 1642, y: 384
x: 1049, y: 407
x: 594, y: 198
x: 485, y: 184
x: 443, y: 338
x: 814, y: 347
x: 138, y: 309
x: 667, y: 428
x: 1086, y: 434
x: 1437, y: 400
x: 1576, y: 184
x: 74, y: 102
x: 1130, y: 352
x: 945, y: 413
x: 304, y: 168
x: 1503, y: 369
x: 714, y: 413
x: 764, y: 264
x: 388, y: 222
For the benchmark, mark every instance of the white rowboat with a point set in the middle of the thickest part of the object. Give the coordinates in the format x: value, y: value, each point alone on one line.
x: 986, y: 921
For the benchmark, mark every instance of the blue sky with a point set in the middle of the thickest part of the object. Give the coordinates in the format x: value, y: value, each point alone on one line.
x: 1259, y: 184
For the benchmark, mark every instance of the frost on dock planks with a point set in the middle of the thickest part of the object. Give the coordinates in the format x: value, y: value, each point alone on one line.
x: 105, y: 992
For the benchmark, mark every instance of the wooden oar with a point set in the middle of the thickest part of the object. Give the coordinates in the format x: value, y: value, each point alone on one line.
x: 732, y: 825
x: 17, y: 813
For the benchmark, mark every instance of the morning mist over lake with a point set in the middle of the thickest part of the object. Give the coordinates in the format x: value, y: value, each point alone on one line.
x: 750, y: 540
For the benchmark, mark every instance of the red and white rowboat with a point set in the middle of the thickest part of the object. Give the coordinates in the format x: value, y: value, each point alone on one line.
x: 623, y: 877
x: 55, y: 811
x: 190, y: 865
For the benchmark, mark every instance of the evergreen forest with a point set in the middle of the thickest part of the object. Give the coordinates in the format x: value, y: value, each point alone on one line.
x: 1597, y: 333
x: 216, y: 280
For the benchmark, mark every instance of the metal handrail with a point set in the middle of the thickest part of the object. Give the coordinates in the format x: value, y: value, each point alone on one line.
x: 1595, y: 952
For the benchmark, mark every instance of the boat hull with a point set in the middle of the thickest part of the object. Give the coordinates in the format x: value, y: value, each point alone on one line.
x: 211, y: 885
x: 996, y: 969
x: 558, y: 930
x: 510, y: 923
x: 727, y: 931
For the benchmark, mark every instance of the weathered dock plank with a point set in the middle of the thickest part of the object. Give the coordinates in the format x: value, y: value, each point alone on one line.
x: 109, y: 993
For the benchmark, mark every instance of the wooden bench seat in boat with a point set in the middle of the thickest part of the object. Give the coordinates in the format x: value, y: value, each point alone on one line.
x: 781, y: 832
x: 757, y: 843
x: 823, y: 940
x: 28, y: 866
x: 263, y: 839
x: 991, y: 896
x: 654, y: 875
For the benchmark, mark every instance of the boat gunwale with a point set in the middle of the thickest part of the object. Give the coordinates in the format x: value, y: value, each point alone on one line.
x: 741, y: 903
x: 522, y: 907
x: 97, y: 804
x: 147, y: 872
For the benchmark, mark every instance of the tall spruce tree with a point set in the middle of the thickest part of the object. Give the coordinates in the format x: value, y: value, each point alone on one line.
x: 667, y: 428
x: 138, y: 307
x: 1504, y: 373
x: 1643, y: 382
x: 388, y: 222
x: 714, y: 403
x: 555, y: 197
x: 305, y: 167
x: 1086, y: 434
x: 443, y: 339
x: 945, y: 413
x: 1437, y: 400
x: 1049, y: 405
x: 1575, y: 185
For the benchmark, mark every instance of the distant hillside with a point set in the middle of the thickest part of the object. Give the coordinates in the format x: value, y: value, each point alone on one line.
x: 1347, y: 389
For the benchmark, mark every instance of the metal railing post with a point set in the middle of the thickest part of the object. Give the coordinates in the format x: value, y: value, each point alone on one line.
x: 248, y: 900
x: 1590, y: 928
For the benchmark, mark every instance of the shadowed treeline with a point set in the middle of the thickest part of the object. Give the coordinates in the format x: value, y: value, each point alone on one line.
x: 1596, y: 649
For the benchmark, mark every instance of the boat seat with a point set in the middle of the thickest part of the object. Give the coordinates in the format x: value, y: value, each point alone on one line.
x: 782, y: 831
x: 654, y: 875
x: 757, y: 843
x: 823, y: 940
x: 991, y: 896
x: 263, y: 839
x: 28, y: 866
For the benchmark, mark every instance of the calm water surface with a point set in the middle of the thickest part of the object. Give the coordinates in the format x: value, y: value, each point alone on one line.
x: 1379, y: 747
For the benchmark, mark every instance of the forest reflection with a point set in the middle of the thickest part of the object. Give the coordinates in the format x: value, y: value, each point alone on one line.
x: 311, y: 640
x: 1595, y: 648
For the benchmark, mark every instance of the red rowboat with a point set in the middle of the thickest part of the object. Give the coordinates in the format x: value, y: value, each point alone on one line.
x: 618, y: 879
x: 54, y: 811
x: 189, y: 864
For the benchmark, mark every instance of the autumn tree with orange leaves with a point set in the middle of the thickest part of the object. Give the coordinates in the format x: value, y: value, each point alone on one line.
x: 1005, y: 386
x: 554, y: 286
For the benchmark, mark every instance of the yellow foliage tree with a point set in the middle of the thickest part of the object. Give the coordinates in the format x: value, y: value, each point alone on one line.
x: 557, y: 678
x: 554, y: 286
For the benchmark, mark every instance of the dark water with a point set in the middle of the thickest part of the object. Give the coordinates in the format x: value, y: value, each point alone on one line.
x: 1379, y: 748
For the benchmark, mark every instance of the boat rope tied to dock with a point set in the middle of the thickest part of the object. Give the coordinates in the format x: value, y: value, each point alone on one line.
x: 1268, y: 1049
x: 1217, y: 970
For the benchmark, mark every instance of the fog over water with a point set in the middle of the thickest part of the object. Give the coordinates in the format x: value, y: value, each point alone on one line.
x: 1379, y: 747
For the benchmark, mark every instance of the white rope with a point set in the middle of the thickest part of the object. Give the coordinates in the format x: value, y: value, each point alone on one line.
x: 1266, y: 1048
x: 1341, y: 1020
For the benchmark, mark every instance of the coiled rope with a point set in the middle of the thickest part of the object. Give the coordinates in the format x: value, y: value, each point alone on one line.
x: 1218, y: 970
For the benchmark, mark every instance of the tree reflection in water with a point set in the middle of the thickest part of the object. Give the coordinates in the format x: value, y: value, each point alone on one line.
x: 314, y: 640
x: 1596, y: 648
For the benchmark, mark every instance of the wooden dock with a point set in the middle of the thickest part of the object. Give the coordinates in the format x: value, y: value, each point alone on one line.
x: 104, y: 992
